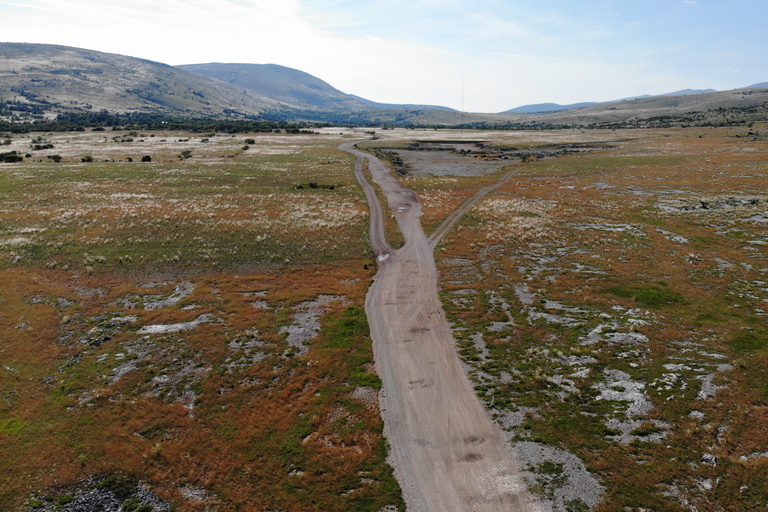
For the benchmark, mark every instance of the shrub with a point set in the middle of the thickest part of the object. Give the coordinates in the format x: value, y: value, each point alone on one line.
x: 146, y: 158
x: 66, y: 499
x: 11, y: 157
x: 87, y: 159
x: 122, y: 487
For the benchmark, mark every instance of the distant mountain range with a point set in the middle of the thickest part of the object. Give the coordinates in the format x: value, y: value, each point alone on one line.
x: 61, y: 78
x: 39, y: 81
x: 539, y: 108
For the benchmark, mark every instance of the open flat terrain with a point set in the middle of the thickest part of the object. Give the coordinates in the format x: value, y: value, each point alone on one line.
x: 192, y: 324
x: 191, y: 328
x: 610, y: 306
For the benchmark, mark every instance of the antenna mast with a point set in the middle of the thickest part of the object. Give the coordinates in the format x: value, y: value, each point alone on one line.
x: 463, y: 83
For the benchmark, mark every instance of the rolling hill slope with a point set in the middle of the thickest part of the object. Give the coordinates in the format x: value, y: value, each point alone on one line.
x: 65, y: 78
x: 283, y: 84
x: 292, y: 87
x: 44, y: 80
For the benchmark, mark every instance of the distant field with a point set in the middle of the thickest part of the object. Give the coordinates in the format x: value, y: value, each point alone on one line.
x: 195, y: 322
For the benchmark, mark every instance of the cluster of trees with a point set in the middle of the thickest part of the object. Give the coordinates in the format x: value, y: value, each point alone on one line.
x: 11, y: 157
x: 11, y: 108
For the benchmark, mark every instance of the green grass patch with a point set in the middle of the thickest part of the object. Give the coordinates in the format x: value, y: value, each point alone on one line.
x: 343, y: 332
x: 12, y: 426
x: 653, y: 296
x: 122, y: 487
x: 749, y: 341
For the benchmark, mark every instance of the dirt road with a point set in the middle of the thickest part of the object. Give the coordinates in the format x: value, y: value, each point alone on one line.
x: 447, y: 454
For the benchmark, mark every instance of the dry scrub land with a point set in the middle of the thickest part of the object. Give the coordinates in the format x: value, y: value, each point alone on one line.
x: 188, y: 331
x: 611, y: 305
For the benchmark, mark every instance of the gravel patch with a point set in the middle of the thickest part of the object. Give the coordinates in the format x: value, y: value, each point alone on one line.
x: 171, y: 328
x: 97, y: 495
x: 562, y: 475
x: 306, y: 324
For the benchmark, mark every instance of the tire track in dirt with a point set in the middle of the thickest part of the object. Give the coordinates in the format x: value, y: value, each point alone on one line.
x: 457, y: 214
x: 447, y: 454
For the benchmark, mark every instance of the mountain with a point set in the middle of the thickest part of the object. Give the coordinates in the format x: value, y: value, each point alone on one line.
x: 546, y: 107
x: 686, y: 92
x: 540, y: 108
x: 286, y: 85
x: 56, y: 79
x: 291, y: 87
x: 758, y: 86
x: 44, y: 80
x: 678, y: 106
x: 63, y: 78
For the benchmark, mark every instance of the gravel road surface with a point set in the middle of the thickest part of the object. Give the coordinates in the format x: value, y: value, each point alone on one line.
x: 447, y: 453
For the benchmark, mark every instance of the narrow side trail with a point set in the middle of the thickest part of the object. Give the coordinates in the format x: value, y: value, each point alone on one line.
x: 447, y: 454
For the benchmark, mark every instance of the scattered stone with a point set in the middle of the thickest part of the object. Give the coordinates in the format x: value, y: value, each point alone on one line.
x: 562, y: 475
x: 367, y: 395
x: 103, y: 494
x: 171, y: 328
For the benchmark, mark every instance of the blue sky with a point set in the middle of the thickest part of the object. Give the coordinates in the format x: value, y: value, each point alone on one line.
x: 487, y: 55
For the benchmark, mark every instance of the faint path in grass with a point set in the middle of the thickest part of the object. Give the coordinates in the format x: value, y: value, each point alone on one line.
x: 447, y: 454
x: 457, y: 214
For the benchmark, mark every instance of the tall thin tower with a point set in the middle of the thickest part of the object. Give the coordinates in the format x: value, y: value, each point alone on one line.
x: 463, y: 83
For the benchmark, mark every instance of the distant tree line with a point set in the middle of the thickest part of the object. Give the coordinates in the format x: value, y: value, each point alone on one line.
x: 27, y: 119
x: 153, y: 121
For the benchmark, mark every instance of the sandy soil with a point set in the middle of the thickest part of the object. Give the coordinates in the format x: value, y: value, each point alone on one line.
x: 447, y: 454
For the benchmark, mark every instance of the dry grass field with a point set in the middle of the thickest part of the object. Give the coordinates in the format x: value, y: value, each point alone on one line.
x: 191, y: 328
x: 611, y: 304
x: 192, y: 325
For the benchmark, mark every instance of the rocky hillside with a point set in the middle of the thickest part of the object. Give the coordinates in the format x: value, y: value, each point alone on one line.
x: 695, y: 106
x: 293, y: 87
x: 286, y: 85
x: 43, y: 80
x: 59, y: 78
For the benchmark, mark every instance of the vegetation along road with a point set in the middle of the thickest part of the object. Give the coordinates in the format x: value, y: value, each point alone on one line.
x: 447, y: 454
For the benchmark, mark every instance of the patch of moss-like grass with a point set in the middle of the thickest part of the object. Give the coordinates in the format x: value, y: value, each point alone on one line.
x: 750, y: 341
x: 654, y: 296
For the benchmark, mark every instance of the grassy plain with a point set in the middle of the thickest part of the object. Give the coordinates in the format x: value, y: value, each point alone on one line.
x: 612, y: 304
x: 193, y: 323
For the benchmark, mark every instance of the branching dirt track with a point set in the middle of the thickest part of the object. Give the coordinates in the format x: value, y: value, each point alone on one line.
x: 447, y: 454
x: 449, y: 222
